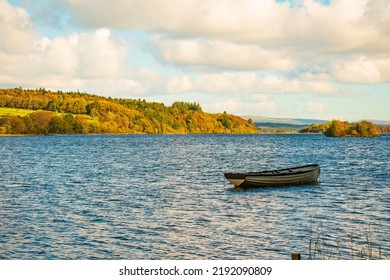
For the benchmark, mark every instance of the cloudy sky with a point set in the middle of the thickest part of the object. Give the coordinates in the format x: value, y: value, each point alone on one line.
x: 305, y: 58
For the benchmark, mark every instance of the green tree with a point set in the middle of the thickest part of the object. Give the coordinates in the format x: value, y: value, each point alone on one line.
x: 54, y: 105
x: 93, y: 109
x: 224, y: 120
x: 58, y: 125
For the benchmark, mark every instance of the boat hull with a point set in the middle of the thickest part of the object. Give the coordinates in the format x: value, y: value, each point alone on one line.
x: 301, y: 175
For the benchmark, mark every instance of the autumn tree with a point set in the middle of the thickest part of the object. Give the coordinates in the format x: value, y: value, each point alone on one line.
x: 366, y: 128
x: 13, y: 125
x: 337, y: 128
x: 224, y: 120
x: 39, y: 122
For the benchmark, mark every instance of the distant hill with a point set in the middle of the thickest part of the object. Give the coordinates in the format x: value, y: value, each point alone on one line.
x: 379, y: 122
x: 283, y: 121
x: 278, y: 122
x: 281, y: 125
x: 46, y: 112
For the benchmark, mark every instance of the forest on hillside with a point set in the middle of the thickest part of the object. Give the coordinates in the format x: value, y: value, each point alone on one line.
x: 81, y: 113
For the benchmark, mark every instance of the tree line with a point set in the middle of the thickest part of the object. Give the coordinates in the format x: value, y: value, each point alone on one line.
x: 338, y: 128
x: 74, y: 112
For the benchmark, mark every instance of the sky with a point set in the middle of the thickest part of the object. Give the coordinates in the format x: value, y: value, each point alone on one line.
x: 274, y: 58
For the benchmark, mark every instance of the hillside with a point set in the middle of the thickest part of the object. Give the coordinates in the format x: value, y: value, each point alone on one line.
x: 74, y: 112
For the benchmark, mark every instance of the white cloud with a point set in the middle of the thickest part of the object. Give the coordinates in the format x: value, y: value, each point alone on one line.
x: 180, y: 84
x: 321, y: 76
x: 363, y: 69
x: 86, y: 55
x: 16, y: 29
x: 220, y: 54
x: 100, y: 55
x: 343, y: 25
x: 76, y: 57
x: 59, y: 56
x: 279, y: 84
x: 187, y: 17
x: 231, y: 83
x: 224, y: 83
x: 250, y: 35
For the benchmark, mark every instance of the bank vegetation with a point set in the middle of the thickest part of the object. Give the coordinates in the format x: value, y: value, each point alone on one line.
x: 337, y: 128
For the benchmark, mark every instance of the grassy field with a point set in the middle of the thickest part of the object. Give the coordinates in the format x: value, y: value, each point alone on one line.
x: 24, y: 112
x: 14, y: 112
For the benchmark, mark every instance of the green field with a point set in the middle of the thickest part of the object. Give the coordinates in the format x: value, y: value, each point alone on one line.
x: 14, y: 112
x: 24, y: 112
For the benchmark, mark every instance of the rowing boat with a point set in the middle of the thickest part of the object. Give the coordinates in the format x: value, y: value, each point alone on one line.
x: 300, y: 175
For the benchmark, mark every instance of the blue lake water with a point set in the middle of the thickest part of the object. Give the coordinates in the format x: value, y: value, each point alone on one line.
x: 164, y: 197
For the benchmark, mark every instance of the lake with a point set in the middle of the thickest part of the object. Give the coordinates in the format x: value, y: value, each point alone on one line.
x: 165, y: 197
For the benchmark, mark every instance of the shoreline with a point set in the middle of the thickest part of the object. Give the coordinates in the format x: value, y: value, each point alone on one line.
x: 115, y: 134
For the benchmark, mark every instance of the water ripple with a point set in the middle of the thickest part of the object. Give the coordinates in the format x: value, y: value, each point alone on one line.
x: 164, y: 197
